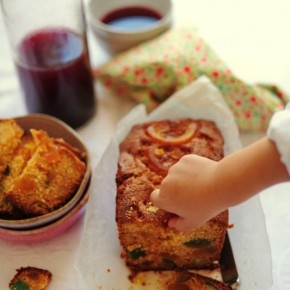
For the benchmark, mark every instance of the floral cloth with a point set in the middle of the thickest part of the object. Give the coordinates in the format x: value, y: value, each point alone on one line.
x: 152, y: 71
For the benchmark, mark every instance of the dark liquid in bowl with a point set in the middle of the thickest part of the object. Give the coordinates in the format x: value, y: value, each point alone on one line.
x: 55, y: 75
x: 131, y: 18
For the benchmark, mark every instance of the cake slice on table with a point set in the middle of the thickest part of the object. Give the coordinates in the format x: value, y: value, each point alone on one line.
x: 30, y: 278
x: 145, y: 157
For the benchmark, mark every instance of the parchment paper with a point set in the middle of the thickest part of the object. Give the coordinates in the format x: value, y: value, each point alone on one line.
x: 99, y: 265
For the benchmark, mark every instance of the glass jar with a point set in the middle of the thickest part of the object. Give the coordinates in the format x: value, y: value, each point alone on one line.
x: 49, y: 44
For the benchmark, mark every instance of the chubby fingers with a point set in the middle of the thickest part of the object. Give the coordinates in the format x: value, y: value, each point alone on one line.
x: 176, y: 222
x: 155, y: 197
x: 182, y: 224
x: 179, y: 224
x: 161, y: 201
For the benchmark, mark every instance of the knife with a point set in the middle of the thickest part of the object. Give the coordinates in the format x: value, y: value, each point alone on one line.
x: 228, y: 266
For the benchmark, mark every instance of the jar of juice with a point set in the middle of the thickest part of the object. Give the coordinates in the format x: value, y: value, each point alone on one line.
x: 48, y: 39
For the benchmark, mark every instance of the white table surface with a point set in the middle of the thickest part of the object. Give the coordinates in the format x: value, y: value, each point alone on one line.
x: 253, y: 38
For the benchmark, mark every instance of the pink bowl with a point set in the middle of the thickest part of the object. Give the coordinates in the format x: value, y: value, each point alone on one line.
x: 49, y: 231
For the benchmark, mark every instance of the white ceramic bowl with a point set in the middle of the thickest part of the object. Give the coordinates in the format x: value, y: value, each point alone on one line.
x: 115, y: 40
x: 58, y: 129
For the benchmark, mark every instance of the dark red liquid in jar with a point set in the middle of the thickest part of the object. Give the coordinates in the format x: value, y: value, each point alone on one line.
x: 55, y: 75
x: 131, y: 18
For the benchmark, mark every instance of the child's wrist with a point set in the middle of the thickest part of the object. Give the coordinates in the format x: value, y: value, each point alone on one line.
x: 218, y: 190
x: 225, y: 185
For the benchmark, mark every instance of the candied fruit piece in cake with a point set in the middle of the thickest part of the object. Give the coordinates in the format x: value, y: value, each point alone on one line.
x: 30, y: 278
x: 146, y: 154
x: 49, y: 179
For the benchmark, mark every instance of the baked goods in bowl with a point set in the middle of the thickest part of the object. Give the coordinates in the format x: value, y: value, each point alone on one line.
x: 146, y: 154
x: 44, y: 172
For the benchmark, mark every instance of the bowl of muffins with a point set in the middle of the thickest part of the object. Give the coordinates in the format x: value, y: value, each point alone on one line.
x: 44, y: 177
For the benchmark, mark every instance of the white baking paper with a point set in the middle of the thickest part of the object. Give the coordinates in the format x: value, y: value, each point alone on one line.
x: 99, y: 265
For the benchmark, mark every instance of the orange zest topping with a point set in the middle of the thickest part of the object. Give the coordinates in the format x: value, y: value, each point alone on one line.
x: 164, y: 135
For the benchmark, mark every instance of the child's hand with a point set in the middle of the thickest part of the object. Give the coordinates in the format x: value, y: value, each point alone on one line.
x: 189, y: 192
x: 197, y: 189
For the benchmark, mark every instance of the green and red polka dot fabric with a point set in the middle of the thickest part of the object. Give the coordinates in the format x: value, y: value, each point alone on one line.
x: 152, y: 71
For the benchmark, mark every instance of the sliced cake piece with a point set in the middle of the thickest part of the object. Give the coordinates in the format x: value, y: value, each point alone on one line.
x: 50, y: 178
x: 10, y: 138
x: 14, y: 168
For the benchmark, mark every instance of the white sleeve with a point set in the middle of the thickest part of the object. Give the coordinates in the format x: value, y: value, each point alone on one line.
x: 279, y: 132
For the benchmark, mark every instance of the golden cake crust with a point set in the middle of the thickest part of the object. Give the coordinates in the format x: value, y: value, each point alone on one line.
x: 10, y: 138
x: 14, y: 168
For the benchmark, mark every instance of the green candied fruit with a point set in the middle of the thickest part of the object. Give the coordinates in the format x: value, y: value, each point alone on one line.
x: 210, y: 287
x: 137, y: 253
x: 19, y: 285
x: 197, y: 243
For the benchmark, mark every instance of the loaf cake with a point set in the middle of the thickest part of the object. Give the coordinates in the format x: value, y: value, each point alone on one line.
x: 38, y: 174
x: 146, y: 154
